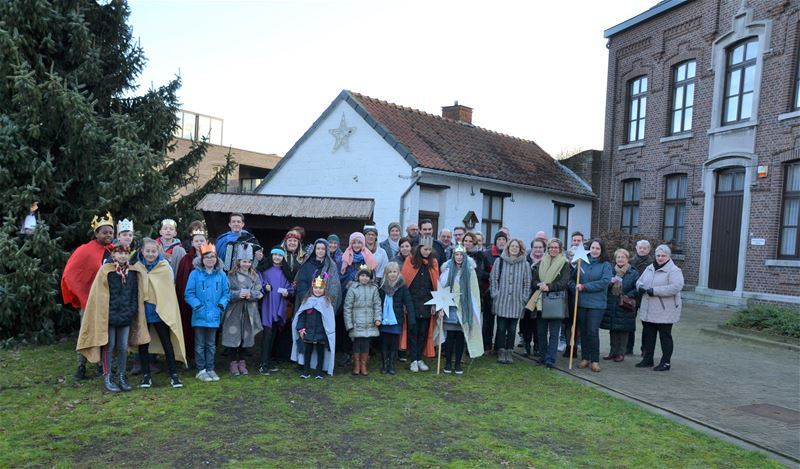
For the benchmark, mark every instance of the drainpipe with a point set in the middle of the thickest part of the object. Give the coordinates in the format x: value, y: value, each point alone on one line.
x: 414, y: 181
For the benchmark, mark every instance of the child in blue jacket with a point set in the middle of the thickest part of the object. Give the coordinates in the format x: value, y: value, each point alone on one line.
x: 208, y: 294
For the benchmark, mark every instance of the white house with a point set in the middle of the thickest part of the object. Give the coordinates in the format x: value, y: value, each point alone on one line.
x: 416, y: 165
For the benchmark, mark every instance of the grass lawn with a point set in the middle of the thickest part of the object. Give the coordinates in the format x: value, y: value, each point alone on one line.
x: 493, y: 416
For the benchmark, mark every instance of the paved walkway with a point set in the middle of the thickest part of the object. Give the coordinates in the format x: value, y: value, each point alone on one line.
x: 712, y: 378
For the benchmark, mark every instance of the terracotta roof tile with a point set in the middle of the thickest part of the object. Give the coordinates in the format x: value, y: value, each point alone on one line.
x: 448, y: 145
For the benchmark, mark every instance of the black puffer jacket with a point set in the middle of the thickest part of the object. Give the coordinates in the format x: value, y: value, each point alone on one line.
x: 616, y: 318
x: 401, y: 297
x: 123, y: 299
x: 311, y: 321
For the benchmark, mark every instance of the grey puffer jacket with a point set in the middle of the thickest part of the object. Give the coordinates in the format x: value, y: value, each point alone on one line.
x: 510, y: 285
x: 664, y: 306
x: 362, y: 307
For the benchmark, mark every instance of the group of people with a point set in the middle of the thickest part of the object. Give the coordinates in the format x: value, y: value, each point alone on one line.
x: 310, y: 301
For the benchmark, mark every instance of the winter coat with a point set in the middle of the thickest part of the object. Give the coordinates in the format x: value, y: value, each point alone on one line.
x: 616, y: 318
x: 382, y: 258
x: 362, y: 307
x: 402, y: 297
x: 388, y: 248
x: 471, y: 328
x: 123, y: 300
x: 595, y: 277
x: 664, y: 306
x: 561, y: 282
x: 510, y: 285
x: 420, y: 290
x: 305, y: 276
x: 207, y: 294
x: 242, y: 320
x: 311, y: 321
x: 641, y: 263
x: 480, y: 269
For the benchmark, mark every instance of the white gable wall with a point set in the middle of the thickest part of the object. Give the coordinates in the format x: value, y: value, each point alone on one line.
x: 371, y: 169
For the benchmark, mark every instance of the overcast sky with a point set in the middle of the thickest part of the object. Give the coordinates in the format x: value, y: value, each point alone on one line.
x: 531, y: 69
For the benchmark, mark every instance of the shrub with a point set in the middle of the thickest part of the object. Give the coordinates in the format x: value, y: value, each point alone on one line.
x: 770, y: 319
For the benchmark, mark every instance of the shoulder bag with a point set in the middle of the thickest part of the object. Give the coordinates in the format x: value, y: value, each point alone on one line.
x: 554, y: 305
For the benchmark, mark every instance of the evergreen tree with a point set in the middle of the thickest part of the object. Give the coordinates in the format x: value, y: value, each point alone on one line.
x: 75, y: 137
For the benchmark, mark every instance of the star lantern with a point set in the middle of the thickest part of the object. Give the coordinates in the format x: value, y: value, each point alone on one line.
x: 442, y: 299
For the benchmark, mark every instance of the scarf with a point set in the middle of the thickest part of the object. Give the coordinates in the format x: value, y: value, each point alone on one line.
x: 394, y: 245
x: 409, y: 271
x: 349, y: 258
x: 549, y: 268
x: 657, y: 266
x: 389, y: 319
x: 456, y: 273
x: 122, y: 270
x: 616, y: 289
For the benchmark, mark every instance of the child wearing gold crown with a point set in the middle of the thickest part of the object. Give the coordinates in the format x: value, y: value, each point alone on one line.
x: 314, y: 327
x: 81, y: 269
x: 208, y: 294
x: 362, y: 317
x: 241, y: 321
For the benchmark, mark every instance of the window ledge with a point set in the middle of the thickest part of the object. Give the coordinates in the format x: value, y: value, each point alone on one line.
x: 728, y: 128
x: 782, y: 263
x: 788, y: 115
x: 628, y: 146
x: 681, y: 136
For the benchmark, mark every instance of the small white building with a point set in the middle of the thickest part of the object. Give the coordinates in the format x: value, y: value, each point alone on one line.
x: 415, y: 165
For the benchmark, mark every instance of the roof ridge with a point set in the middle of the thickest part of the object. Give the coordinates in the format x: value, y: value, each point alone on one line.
x: 446, y: 119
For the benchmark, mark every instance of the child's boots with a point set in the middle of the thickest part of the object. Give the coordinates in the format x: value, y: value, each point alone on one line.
x: 109, y: 383
x: 123, y: 382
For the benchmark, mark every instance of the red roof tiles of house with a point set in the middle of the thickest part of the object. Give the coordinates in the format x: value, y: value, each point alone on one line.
x: 450, y: 145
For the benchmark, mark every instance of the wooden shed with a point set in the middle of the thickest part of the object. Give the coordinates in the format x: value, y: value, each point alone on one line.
x: 269, y: 217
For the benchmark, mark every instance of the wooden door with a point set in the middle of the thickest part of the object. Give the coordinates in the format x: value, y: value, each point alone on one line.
x: 726, y: 229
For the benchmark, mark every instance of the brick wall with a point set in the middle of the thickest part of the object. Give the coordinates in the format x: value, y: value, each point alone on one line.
x: 653, y: 48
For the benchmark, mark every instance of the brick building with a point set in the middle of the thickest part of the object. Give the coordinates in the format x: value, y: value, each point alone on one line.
x: 701, y: 142
x: 253, y: 166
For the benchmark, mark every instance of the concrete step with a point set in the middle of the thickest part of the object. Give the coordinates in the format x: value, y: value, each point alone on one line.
x: 714, y: 299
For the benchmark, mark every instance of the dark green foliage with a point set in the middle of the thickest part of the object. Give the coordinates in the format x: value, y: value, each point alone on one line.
x: 76, y: 138
x: 769, y: 319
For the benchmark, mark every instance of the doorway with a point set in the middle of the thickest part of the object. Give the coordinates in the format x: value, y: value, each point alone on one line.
x: 726, y: 229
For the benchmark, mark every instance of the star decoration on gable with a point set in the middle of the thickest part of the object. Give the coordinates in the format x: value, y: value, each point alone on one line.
x: 442, y: 299
x: 342, y: 135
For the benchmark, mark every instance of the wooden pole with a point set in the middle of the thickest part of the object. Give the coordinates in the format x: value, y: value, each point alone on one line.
x: 574, y: 316
x: 439, y: 359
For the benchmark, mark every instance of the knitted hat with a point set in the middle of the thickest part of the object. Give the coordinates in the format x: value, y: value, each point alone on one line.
x: 333, y: 237
x: 293, y: 234
x: 370, y: 229
x: 500, y: 234
x: 278, y: 250
x: 394, y: 224
x: 357, y: 235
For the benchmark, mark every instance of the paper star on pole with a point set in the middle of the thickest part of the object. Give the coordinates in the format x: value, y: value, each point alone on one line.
x: 442, y: 299
x: 342, y: 135
x: 580, y: 254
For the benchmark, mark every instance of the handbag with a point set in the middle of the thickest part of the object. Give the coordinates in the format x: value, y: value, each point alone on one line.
x: 554, y: 305
x: 627, y: 303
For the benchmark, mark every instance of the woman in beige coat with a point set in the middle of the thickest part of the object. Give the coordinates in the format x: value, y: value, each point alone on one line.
x: 660, y: 287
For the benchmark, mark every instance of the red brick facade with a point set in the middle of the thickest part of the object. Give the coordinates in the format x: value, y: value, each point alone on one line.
x: 704, y: 31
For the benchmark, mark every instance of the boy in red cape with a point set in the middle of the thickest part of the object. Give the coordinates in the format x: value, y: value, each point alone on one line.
x: 82, y: 267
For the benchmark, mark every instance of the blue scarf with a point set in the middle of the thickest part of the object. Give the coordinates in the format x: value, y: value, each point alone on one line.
x: 389, y: 319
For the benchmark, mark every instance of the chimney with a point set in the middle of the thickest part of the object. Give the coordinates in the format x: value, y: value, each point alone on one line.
x: 458, y: 112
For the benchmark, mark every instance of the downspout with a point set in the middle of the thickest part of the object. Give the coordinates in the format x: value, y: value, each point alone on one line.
x: 414, y: 181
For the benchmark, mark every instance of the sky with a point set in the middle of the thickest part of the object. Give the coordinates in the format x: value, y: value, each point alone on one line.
x: 531, y: 69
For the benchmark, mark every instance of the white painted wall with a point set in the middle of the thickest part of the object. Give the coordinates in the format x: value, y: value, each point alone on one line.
x: 530, y: 211
x: 382, y: 174
x: 372, y: 169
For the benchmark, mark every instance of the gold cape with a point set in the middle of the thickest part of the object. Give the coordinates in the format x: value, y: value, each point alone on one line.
x: 160, y: 291
x: 94, y: 323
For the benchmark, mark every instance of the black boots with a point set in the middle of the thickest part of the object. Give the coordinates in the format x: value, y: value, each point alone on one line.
x: 645, y: 363
x: 80, y: 374
x: 109, y: 383
x: 123, y: 381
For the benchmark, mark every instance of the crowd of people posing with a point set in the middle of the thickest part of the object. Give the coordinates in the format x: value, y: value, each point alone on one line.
x: 308, y: 302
